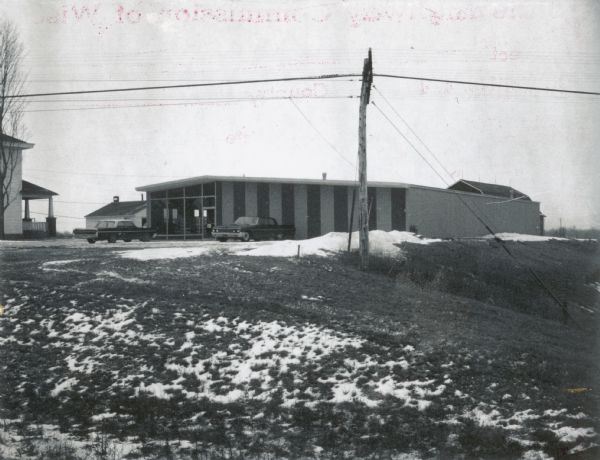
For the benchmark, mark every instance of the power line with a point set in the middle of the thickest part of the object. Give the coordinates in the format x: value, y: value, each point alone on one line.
x: 189, y: 85
x: 56, y: 215
x: 530, y: 270
x: 333, y: 147
x: 495, y: 85
x: 413, y: 131
x: 287, y: 79
x: 204, y: 102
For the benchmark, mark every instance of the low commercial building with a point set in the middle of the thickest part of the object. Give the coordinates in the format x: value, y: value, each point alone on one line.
x: 185, y: 208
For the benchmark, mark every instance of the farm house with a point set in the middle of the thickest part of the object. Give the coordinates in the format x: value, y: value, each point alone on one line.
x: 188, y: 207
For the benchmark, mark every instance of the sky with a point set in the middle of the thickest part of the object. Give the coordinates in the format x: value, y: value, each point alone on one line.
x: 89, y: 148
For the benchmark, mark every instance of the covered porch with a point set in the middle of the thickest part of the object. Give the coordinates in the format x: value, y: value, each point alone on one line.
x: 31, y: 227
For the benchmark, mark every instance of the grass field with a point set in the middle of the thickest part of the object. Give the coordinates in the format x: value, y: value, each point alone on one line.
x: 450, y: 350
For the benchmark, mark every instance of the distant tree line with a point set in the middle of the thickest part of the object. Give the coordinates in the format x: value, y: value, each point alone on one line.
x: 574, y: 232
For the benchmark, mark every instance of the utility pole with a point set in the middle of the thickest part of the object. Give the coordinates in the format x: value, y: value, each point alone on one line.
x: 363, y: 200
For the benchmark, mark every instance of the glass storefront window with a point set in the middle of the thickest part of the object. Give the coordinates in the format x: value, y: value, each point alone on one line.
x: 156, y: 195
x: 158, y: 217
x: 176, y: 192
x: 208, y: 189
x: 194, y: 190
x: 193, y: 216
x: 175, y: 217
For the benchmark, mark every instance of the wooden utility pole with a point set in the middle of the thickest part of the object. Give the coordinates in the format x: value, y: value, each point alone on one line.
x: 363, y: 199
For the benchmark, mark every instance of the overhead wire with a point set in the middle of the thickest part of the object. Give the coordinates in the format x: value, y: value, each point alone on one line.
x: 311, y: 124
x: 530, y: 270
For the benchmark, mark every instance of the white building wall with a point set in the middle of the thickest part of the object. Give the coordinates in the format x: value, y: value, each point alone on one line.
x: 13, y: 224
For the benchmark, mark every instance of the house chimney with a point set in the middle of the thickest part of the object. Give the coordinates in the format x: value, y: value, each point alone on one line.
x: 324, y: 176
x: 115, y: 199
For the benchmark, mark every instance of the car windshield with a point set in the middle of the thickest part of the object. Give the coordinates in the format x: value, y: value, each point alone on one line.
x: 246, y: 221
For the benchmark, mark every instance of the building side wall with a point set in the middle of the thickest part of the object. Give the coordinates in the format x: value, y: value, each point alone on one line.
x: 442, y: 214
x: 327, y: 212
x: 13, y: 223
x: 300, y: 211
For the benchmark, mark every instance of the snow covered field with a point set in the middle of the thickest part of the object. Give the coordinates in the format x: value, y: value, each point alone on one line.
x: 204, y: 352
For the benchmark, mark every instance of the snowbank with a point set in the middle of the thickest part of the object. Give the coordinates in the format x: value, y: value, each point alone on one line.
x: 380, y: 243
x: 523, y: 237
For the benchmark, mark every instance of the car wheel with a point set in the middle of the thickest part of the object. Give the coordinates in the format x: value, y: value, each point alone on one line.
x: 145, y: 238
x: 127, y: 241
x: 246, y: 237
x: 221, y: 240
x: 112, y: 239
x: 91, y: 241
x: 279, y: 236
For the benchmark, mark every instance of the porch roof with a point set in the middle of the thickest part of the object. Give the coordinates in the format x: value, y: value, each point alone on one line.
x: 30, y: 191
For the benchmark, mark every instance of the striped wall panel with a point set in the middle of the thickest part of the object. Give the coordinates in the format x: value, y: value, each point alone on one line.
x: 262, y: 200
x: 300, y: 211
x: 313, y: 216
x: 340, y: 209
x: 327, y: 209
x: 239, y: 199
x: 275, y: 202
x: 251, y: 199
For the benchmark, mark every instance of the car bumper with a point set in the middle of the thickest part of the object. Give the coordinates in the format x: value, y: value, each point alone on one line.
x: 236, y: 235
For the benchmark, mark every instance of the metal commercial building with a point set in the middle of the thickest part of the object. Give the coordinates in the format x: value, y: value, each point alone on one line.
x: 189, y: 207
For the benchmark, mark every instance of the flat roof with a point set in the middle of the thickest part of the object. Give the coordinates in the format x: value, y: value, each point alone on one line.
x: 279, y: 180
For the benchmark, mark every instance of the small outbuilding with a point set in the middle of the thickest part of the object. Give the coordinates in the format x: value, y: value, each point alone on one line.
x: 134, y: 211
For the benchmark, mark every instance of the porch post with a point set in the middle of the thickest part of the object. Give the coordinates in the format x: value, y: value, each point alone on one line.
x: 50, y: 220
x: 27, y: 216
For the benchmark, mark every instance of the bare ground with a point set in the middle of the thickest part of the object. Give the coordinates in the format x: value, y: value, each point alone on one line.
x: 453, y: 352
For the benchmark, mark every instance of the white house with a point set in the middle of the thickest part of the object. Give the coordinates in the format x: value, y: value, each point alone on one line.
x: 17, y: 224
x: 119, y: 210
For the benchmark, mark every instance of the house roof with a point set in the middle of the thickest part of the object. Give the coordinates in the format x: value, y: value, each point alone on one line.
x: 31, y: 191
x: 120, y: 208
x: 14, y: 142
x: 484, y: 188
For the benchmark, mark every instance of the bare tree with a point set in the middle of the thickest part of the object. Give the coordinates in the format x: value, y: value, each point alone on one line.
x: 11, y: 111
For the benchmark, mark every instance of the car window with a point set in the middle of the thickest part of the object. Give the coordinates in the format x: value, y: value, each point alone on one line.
x: 106, y: 224
x: 126, y: 223
x: 266, y: 221
x: 246, y: 221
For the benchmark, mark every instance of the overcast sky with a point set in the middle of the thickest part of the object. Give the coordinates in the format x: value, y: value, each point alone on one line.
x: 91, y: 147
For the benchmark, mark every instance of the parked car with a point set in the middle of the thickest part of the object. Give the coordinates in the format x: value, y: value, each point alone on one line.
x: 254, y: 228
x: 113, y: 230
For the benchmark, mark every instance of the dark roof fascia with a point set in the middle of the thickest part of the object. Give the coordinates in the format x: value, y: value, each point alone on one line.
x: 204, y: 179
